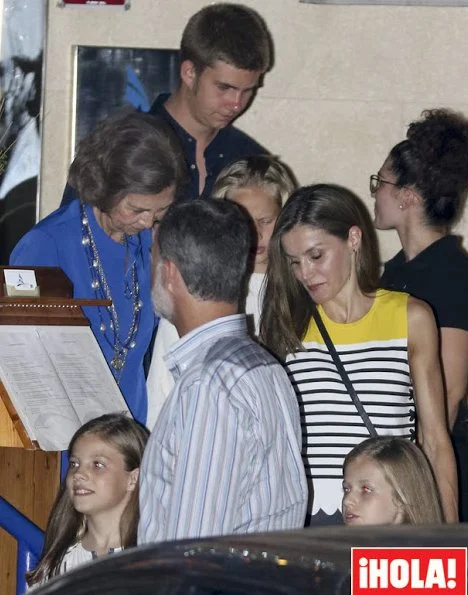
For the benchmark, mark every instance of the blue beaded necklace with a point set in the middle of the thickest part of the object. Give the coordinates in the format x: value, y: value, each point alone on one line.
x: 109, y: 319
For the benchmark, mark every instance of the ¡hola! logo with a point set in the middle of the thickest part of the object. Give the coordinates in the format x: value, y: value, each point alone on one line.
x: 408, y: 571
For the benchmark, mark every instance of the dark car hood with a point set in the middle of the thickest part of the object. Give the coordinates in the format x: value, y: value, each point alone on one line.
x: 313, y: 561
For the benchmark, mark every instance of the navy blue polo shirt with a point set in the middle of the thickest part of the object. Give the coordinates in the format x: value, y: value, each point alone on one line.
x: 438, y: 275
x: 228, y: 145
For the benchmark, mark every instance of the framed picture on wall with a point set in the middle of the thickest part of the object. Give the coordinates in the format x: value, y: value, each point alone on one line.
x: 21, y: 69
x: 108, y: 78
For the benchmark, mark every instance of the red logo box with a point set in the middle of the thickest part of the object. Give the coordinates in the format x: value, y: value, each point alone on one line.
x: 408, y: 571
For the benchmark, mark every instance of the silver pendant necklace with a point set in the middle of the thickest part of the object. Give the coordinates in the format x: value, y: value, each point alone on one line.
x: 109, y: 314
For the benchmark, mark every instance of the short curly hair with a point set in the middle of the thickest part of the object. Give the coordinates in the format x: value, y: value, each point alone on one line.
x: 129, y: 153
x: 434, y: 160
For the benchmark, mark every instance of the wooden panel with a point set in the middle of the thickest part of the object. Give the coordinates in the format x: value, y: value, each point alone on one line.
x: 8, y: 433
x: 46, y: 311
x: 29, y: 480
x: 46, y: 484
x: 7, y: 564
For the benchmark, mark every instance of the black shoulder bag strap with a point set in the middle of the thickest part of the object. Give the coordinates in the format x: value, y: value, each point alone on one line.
x: 344, y: 376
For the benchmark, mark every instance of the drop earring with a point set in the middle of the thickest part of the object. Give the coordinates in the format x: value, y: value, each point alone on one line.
x: 353, y: 259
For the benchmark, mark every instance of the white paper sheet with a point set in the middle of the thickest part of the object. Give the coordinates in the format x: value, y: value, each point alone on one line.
x: 57, y: 379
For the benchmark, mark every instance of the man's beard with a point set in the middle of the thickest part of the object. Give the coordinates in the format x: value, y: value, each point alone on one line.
x: 162, y: 301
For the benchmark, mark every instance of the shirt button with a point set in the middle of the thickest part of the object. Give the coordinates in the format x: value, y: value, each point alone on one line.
x: 190, y: 140
x: 221, y: 155
x: 193, y: 166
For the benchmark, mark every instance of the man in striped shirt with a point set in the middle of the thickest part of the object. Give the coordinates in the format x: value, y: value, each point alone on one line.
x: 225, y: 454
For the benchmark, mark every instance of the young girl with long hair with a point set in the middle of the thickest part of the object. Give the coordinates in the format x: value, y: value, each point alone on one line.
x: 324, y: 266
x: 96, y: 511
x: 387, y: 481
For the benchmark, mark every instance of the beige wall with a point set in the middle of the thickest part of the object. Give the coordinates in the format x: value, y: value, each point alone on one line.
x: 346, y: 81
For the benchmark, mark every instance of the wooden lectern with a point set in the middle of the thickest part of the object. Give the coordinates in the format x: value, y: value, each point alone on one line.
x: 30, y: 477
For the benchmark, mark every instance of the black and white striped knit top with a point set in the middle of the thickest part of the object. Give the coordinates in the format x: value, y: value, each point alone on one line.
x: 374, y: 352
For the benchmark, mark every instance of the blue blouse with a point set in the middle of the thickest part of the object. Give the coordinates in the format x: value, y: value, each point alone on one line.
x: 57, y: 241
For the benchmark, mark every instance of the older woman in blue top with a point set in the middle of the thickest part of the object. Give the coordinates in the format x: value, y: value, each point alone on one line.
x: 126, y: 173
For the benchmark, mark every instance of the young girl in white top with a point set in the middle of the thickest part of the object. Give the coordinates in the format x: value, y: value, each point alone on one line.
x: 96, y: 511
x: 388, y: 481
x: 261, y: 185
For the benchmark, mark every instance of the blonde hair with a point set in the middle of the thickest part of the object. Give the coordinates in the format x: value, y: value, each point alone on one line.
x: 265, y: 171
x: 408, y: 472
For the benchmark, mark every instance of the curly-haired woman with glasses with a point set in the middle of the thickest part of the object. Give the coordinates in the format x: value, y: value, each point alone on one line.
x: 420, y: 191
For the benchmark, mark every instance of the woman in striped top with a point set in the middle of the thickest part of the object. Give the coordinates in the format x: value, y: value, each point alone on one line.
x: 324, y: 255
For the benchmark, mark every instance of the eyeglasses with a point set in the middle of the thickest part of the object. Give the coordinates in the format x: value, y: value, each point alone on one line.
x: 376, y: 181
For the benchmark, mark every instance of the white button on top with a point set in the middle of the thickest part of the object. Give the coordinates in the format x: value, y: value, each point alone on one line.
x: 193, y: 166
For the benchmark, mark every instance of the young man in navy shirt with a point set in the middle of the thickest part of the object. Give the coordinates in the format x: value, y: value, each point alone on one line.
x: 225, y: 51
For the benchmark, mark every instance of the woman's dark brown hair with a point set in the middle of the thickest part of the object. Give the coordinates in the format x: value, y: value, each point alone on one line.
x: 434, y: 160
x: 287, y: 306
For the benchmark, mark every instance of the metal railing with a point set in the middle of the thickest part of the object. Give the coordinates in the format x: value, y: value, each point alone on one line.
x: 29, y: 537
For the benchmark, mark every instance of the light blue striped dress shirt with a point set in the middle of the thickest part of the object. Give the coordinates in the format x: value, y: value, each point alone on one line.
x: 225, y: 454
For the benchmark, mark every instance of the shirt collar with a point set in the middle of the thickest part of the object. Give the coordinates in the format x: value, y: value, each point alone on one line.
x: 437, y: 251
x: 195, y: 344
x: 159, y: 108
